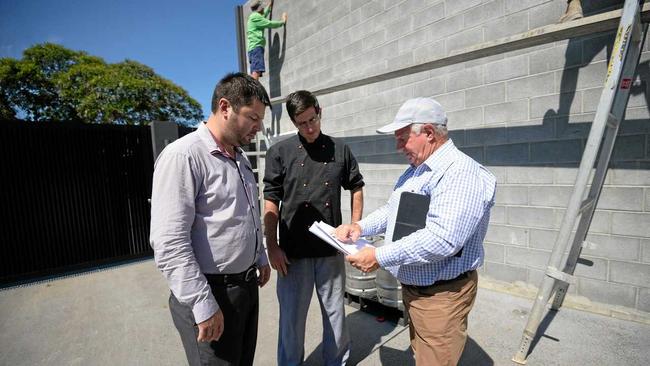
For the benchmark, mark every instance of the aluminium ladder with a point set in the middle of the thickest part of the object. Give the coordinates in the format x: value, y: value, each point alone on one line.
x: 611, y: 109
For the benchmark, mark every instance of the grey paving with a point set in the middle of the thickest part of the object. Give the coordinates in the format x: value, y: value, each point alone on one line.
x: 119, y: 316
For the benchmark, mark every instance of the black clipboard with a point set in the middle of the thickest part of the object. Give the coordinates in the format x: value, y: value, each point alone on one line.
x: 412, y: 215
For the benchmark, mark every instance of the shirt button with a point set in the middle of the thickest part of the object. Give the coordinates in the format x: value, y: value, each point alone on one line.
x: 325, y: 163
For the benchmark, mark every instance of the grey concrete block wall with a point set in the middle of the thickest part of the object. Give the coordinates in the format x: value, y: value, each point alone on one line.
x: 525, y: 115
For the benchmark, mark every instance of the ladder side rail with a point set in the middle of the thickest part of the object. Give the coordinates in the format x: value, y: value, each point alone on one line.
x: 620, y: 104
x: 630, y: 9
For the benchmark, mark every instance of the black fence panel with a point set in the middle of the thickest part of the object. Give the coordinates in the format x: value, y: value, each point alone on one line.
x: 73, y: 196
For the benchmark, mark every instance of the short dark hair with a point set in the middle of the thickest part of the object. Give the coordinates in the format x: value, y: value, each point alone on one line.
x: 256, y: 5
x: 239, y: 89
x: 299, y: 101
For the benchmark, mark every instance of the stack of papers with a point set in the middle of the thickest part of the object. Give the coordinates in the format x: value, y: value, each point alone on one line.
x: 326, y: 233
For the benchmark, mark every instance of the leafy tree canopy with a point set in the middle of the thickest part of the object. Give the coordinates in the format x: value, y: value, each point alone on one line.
x: 53, y: 83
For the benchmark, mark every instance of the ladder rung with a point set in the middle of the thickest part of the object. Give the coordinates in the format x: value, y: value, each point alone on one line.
x: 560, y: 276
x: 586, y: 204
x: 612, y: 121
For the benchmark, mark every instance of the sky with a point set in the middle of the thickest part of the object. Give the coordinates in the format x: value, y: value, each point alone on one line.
x: 192, y: 42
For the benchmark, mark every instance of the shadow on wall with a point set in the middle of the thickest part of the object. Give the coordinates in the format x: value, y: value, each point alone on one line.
x: 554, y: 143
x: 276, y: 61
x: 558, y: 141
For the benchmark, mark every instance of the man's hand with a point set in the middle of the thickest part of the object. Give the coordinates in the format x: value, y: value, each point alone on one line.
x: 278, y: 259
x: 365, y: 260
x: 348, y: 232
x: 211, y: 329
x: 265, y: 274
x: 284, y: 18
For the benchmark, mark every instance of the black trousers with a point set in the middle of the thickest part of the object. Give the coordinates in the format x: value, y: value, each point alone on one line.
x: 240, y: 306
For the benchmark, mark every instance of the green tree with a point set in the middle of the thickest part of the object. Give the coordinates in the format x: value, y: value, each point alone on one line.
x: 52, y: 83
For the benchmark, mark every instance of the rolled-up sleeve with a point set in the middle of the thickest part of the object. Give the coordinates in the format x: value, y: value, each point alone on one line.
x: 172, y: 215
x: 353, y: 179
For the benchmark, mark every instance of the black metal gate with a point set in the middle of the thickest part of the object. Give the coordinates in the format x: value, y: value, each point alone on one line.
x: 72, y: 195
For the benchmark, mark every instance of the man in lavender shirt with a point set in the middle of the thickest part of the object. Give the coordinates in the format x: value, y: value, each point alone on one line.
x: 205, y: 228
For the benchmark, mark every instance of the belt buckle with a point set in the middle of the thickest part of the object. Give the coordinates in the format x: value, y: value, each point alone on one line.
x: 250, y: 274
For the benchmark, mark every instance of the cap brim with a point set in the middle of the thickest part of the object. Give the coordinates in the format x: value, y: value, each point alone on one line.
x: 392, y: 127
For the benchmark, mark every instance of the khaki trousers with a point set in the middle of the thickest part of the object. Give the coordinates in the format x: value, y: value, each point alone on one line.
x: 438, y: 326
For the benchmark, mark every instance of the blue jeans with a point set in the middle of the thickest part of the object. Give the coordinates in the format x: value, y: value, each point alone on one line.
x: 294, y: 295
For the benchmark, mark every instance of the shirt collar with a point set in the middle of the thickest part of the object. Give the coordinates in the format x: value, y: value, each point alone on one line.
x: 211, y: 143
x: 438, y: 160
x: 305, y: 143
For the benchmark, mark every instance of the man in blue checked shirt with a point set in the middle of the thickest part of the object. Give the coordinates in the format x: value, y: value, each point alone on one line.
x: 437, y: 264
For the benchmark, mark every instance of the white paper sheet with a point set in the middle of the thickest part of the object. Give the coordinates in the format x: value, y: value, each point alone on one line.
x: 326, y: 233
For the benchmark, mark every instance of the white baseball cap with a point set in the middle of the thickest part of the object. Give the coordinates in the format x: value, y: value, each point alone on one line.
x: 416, y: 110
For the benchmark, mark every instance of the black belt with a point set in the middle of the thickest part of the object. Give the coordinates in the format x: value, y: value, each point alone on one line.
x: 248, y: 275
x: 461, y: 276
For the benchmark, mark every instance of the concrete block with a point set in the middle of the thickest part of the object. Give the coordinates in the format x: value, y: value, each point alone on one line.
x: 444, y: 28
x: 430, y: 51
x: 547, y: 13
x: 550, y: 196
x: 534, y: 217
x: 498, y: 215
x: 509, y: 68
x: 542, y: 239
x: 374, y: 39
x: 567, y: 56
x: 513, y: 6
x: 530, y: 131
x: 601, y: 221
x: 465, y: 118
x: 556, y: 151
x: 494, y: 252
x: 410, y: 41
x: 565, y: 175
x: 504, y: 234
x: 465, y: 79
x: 506, y: 112
x: 592, y: 267
x: 428, y: 15
x: 528, y: 257
x: 561, y: 104
x: 499, y: 173
x: 591, y: 99
x: 432, y: 87
x: 400, y: 62
x: 464, y: 39
x: 486, y: 136
x: 450, y: 101
x: 631, y: 224
x: 488, y: 94
x: 576, y: 127
x: 508, y: 154
x: 512, y: 195
x: 643, y: 303
x: 531, y: 86
x: 491, y: 10
x: 529, y: 175
x: 607, y: 293
x: 621, y: 198
x: 629, y: 177
x: 589, y: 76
x: 506, y: 26
x: 636, y: 274
x: 629, y: 147
x: 458, y: 6
x: 504, y: 272
x: 647, y: 200
x: 612, y: 247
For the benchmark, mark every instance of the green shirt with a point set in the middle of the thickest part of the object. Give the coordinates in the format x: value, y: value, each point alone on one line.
x: 256, y: 24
